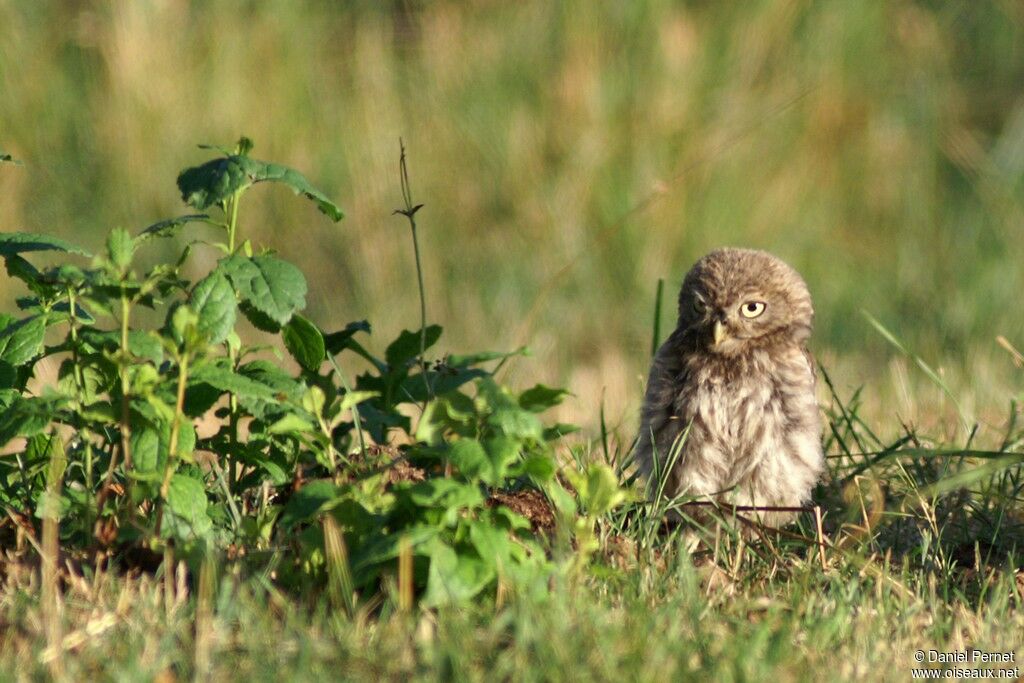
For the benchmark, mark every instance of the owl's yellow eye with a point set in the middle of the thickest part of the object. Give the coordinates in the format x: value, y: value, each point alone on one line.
x: 752, y: 309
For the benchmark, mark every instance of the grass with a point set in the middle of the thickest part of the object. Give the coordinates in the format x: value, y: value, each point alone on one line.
x: 647, y: 625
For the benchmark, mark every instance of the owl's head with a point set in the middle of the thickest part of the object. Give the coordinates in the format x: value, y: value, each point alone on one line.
x: 736, y: 300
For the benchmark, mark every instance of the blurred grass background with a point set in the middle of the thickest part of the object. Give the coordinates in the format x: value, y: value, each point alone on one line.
x: 569, y: 154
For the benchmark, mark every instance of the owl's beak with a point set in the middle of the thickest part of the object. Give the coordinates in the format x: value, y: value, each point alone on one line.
x: 720, y: 333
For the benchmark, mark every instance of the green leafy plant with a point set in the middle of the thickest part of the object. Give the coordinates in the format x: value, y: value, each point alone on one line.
x: 408, y: 476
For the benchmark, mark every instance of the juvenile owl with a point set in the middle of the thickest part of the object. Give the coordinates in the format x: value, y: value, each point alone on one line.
x: 733, y: 388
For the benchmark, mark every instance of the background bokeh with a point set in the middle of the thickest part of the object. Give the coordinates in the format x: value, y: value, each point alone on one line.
x: 569, y: 154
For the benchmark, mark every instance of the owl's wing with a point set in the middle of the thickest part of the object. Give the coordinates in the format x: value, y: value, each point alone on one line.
x: 811, y: 365
x: 659, y: 424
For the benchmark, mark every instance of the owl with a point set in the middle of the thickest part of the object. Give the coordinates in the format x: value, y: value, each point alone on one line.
x: 730, y: 400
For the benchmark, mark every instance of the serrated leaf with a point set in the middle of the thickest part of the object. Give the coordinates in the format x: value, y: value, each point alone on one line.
x: 227, y: 381
x: 145, y: 445
x: 469, y: 456
x: 274, y: 287
x: 217, y: 180
x: 598, y: 488
x: 501, y: 451
x: 539, y: 398
x: 187, y: 505
x: 407, y: 345
x: 259, y: 319
x: 444, y: 493
x: 308, y: 502
x: 28, y: 416
x: 180, y: 324
x: 186, y: 440
x: 170, y: 227
x: 23, y: 340
x: 265, y: 372
x: 8, y: 397
x: 20, y: 268
x: 262, y: 171
x: 313, y: 400
x: 94, y: 380
x: 213, y: 300
x: 336, y: 341
x: 146, y: 345
x: 141, y: 343
x: 120, y: 248
x: 382, y: 548
x: 540, y: 467
x: 353, y: 398
x: 291, y: 423
x: 466, y: 359
x: 487, y: 462
x: 211, y: 183
x: 12, y: 243
x: 276, y: 473
x: 441, y: 382
x: 454, y: 577
x: 60, y: 312
x: 492, y: 544
x: 304, y: 341
x: 518, y: 423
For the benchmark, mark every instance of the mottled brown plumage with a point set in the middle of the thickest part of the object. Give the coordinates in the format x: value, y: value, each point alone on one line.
x: 733, y: 387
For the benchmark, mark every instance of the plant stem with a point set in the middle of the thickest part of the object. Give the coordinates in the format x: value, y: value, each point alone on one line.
x: 423, y: 299
x: 410, y: 213
x: 172, y: 447
x: 83, y: 429
x: 232, y: 211
x: 232, y: 425
x: 355, y: 409
x: 126, y: 429
x: 125, y: 426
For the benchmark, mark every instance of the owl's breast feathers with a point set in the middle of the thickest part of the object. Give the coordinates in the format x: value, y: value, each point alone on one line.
x: 748, y: 423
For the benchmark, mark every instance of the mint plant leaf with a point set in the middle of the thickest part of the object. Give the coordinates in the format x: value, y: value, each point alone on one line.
x: 227, y: 381
x: 28, y: 416
x: 308, y: 501
x: 272, y: 286
x: 187, y: 518
x: 12, y: 243
x: 171, y: 226
x: 454, y: 577
x: 120, y: 248
x: 23, y: 340
x: 213, y: 300
x: 540, y: 398
x: 304, y: 341
x: 407, y: 345
x: 217, y: 180
x: 213, y: 182
x: 261, y: 171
